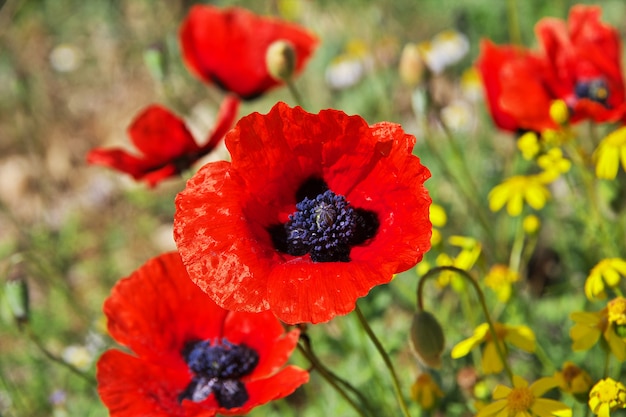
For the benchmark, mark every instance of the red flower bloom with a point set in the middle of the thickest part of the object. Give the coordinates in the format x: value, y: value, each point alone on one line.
x: 177, y: 335
x: 227, y: 47
x: 579, y: 63
x: 313, y: 211
x: 167, y: 145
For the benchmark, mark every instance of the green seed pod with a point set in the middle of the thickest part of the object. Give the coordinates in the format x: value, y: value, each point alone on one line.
x: 280, y: 59
x: 16, y: 294
x: 427, y: 339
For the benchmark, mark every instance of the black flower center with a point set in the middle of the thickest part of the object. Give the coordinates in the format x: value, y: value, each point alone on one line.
x: 218, y: 369
x: 324, y: 225
x: 596, y: 90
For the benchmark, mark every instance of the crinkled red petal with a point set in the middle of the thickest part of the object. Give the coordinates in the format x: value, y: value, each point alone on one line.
x: 224, y: 252
x: 227, y: 47
x: 131, y: 387
x: 263, y: 333
x: 222, y: 217
x: 157, y: 309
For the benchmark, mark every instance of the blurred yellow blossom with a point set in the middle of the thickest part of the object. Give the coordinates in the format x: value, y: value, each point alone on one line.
x: 588, y: 328
x: 574, y: 380
x: 426, y: 392
x: 525, y: 401
x: 553, y: 164
x: 609, y: 153
x: 515, y: 191
x: 467, y: 257
x: 606, y: 396
x: 559, y: 112
x: 471, y: 84
x: 531, y: 224
x: 528, y: 144
x: 520, y: 336
x: 500, y: 279
x: 438, y: 218
x: 606, y: 273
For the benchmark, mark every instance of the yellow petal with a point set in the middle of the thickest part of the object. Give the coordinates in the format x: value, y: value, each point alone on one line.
x: 544, y: 407
x: 491, y: 360
x: 522, y: 337
x: 541, y: 386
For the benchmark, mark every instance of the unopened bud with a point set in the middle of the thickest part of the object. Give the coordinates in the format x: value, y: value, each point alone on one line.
x: 16, y: 292
x: 411, y: 66
x: 280, y: 60
x: 427, y: 339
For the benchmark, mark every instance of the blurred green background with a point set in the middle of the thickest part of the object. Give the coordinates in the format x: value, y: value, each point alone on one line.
x: 72, y: 76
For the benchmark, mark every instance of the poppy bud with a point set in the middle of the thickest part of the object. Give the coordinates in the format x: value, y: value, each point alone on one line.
x: 427, y: 338
x: 16, y: 292
x: 280, y: 60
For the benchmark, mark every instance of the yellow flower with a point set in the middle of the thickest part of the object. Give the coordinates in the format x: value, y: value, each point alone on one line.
x: 573, y: 380
x: 531, y: 224
x: 438, y: 218
x: 606, y: 396
x: 517, y: 189
x: 519, y: 336
x: 553, y: 164
x: 471, y: 84
x: 525, y: 401
x: 499, y: 279
x: 426, y: 392
x: 590, y: 326
x: 559, y: 112
x: 470, y: 252
x: 610, y: 151
x: 607, y: 273
x: 529, y: 146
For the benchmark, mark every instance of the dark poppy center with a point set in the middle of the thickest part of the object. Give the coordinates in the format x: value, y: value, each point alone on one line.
x: 218, y: 369
x: 596, y: 90
x: 324, y: 225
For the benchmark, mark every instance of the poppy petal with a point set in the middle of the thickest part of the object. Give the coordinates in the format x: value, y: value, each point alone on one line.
x: 160, y: 135
x: 123, y: 381
x: 227, y: 47
x: 159, y: 296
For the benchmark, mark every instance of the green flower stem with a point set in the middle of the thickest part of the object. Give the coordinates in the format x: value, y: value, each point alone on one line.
x: 386, y: 359
x: 481, y: 297
x: 515, y: 259
x: 338, y: 383
x: 294, y: 92
x: 515, y: 34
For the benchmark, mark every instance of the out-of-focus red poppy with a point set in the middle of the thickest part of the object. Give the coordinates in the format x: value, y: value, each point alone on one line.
x: 227, y: 47
x: 313, y: 211
x: 167, y: 146
x: 189, y: 356
x: 579, y: 62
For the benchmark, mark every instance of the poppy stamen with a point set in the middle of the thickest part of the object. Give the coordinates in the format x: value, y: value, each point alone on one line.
x: 596, y: 90
x: 218, y: 369
x: 324, y: 225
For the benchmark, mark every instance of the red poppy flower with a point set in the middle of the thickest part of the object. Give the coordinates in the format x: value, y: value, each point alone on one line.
x: 579, y: 63
x: 191, y: 357
x: 167, y: 145
x: 313, y: 211
x: 227, y: 47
